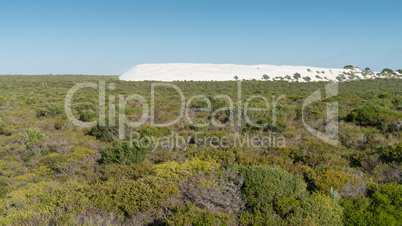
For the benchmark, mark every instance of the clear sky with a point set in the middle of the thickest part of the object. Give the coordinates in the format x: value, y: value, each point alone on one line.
x: 110, y: 37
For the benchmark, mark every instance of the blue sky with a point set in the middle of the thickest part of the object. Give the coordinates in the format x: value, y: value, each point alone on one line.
x: 110, y: 37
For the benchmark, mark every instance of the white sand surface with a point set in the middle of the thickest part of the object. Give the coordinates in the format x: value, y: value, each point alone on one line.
x: 224, y: 72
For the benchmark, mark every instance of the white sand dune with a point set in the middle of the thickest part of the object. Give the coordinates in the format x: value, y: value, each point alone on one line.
x: 224, y: 72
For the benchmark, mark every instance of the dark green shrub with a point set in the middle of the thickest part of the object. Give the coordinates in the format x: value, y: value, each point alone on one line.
x: 278, y: 198
x: 374, y: 116
x: 381, y: 207
x: 317, y: 209
x: 397, y: 102
x: 364, y: 116
x: 299, y: 113
x: 86, y: 116
x: 285, y: 206
x: 280, y: 126
x: 384, y: 95
x: 263, y: 185
x: 104, y: 133
x: 49, y: 111
x: 124, y: 152
x: 391, y: 153
x: 60, y: 123
x: 340, y: 78
x: 350, y: 67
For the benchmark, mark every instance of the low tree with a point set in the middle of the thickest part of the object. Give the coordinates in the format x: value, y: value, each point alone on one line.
x: 387, y: 71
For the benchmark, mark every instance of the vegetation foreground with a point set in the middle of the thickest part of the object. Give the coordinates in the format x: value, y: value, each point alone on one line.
x: 53, y: 172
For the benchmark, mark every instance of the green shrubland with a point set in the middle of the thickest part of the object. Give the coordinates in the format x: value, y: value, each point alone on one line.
x: 55, y: 173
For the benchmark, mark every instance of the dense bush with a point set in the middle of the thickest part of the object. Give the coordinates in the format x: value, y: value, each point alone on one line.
x: 373, y: 116
x: 381, y: 207
x: 276, y: 197
x: 317, y: 209
x: 1, y: 125
x: 270, y: 193
x: 124, y: 152
x: 60, y: 123
x: 49, y: 111
x: 264, y: 185
x: 87, y: 116
x: 78, y: 161
x: 191, y: 215
x: 129, y: 197
x: 324, y: 179
x: 104, y: 133
x: 364, y: 116
x: 391, y: 153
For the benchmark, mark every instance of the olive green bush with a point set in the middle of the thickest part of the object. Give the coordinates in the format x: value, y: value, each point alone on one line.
x: 263, y: 185
x: 374, y: 116
x: 104, y: 133
x: 191, y: 215
x: 124, y: 152
x: 49, y: 110
x: 1, y: 125
x: 317, y: 209
x: 271, y: 194
x: 391, y: 153
x: 148, y: 131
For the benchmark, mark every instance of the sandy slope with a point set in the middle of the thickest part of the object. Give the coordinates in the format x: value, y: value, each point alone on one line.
x: 223, y: 72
